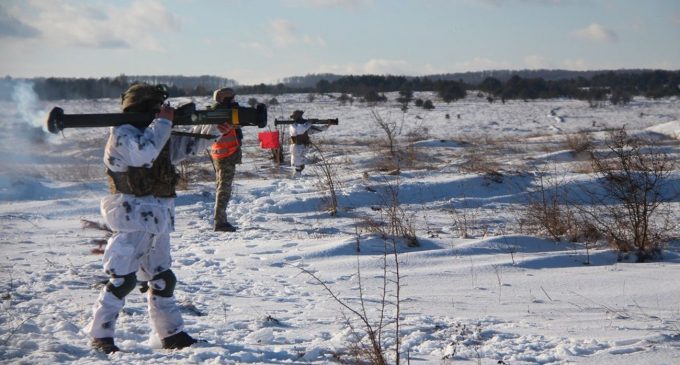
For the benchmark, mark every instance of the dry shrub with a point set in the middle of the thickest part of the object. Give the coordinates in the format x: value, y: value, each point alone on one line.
x: 194, y: 170
x: 326, y: 170
x: 183, y: 182
x: 418, y: 133
x: 579, y: 142
x: 548, y: 212
x: 631, y: 208
x: 559, y: 222
x: 392, y: 223
x: 369, y: 342
x: 393, y: 220
x: 478, y: 160
x: 386, y: 164
x: 464, y: 219
x: 507, y: 144
x: 582, y: 167
x: 552, y: 219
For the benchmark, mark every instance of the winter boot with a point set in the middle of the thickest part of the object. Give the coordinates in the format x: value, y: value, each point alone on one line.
x: 224, y: 227
x: 104, y: 344
x: 178, y: 341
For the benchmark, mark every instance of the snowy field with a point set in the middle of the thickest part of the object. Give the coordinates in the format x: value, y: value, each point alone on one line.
x: 478, y: 289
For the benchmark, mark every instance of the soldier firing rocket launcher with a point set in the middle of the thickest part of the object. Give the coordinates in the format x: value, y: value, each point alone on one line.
x: 186, y: 114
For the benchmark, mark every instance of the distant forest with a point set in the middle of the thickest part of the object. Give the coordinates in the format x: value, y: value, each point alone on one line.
x: 595, y: 86
x: 54, y: 88
x: 617, y: 86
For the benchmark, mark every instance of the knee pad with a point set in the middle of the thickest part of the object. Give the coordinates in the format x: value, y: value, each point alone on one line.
x: 120, y: 286
x: 166, y: 287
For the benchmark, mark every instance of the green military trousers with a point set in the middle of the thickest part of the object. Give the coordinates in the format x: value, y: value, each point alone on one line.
x: 225, y: 169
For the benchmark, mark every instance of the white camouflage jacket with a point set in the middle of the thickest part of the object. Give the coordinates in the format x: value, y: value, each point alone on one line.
x: 129, y: 146
x: 298, y: 151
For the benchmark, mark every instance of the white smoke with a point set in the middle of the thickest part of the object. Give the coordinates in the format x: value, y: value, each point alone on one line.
x: 21, y: 138
x: 35, y: 162
x: 27, y: 105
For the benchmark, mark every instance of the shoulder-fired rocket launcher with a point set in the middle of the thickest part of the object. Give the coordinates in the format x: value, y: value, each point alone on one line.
x: 186, y: 114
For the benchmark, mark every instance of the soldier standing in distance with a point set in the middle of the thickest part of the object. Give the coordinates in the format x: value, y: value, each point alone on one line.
x: 300, y: 141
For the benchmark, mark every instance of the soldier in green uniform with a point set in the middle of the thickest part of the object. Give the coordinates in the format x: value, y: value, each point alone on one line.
x: 225, y: 155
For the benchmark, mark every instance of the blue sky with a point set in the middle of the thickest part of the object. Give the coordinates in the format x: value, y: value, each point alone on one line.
x: 255, y: 41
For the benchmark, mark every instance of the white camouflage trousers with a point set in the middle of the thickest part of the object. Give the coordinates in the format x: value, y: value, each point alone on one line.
x: 140, y: 244
x: 298, y: 155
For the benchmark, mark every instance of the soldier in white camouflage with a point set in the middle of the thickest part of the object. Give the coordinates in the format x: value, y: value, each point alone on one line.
x: 299, y: 140
x: 140, y: 210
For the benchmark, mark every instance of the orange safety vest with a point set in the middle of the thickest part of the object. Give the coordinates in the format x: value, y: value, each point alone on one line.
x: 227, y: 145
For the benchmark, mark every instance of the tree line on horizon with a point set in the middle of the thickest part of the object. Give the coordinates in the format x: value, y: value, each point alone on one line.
x: 55, y: 88
x: 615, y: 86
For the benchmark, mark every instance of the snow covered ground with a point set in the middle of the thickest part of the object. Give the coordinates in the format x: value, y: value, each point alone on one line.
x: 477, y: 290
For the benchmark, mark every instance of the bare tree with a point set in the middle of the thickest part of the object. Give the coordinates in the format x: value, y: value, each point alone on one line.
x: 392, y: 129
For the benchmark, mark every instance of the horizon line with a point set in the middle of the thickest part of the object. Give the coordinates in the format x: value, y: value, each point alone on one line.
x: 279, y: 81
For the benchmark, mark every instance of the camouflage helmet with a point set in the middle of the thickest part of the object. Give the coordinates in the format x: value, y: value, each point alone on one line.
x: 142, y: 97
x: 223, y: 94
x: 296, y: 114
